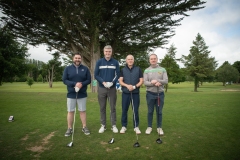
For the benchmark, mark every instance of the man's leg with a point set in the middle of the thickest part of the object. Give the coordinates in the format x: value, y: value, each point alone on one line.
x: 70, y: 119
x: 113, y: 99
x: 71, y: 104
x: 159, y: 110
x: 150, y: 102
x: 102, y: 97
x: 83, y: 117
x: 136, y: 102
x: 125, y: 106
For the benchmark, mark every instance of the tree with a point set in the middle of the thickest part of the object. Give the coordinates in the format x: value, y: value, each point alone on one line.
x: 227, y: 73
x: 30, y: 81
x: 198, y: 63
x: 130, y: 26
x: 237, y: 66
x: 170, y: 64
x: 52, y: 68
x: 12, y: 56
x: 40, y: 78
x: 33, y: 68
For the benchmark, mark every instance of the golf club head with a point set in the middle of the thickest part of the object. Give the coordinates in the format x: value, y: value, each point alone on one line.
x: 159, y: 141
x: 70, y: 144
x: 111, y: 141
x: 136, y: 144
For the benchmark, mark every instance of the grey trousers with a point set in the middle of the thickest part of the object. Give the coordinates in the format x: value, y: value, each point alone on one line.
x: 107, y: 95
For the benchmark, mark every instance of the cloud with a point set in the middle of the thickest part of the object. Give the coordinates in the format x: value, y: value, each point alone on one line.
x: 219, y: 25
x: 39, y: 53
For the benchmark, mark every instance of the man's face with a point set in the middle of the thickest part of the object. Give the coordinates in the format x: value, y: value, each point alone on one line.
x: 130, y: 60
x: 153, y: 59
x: 77, y: 60
x: 107, y: 53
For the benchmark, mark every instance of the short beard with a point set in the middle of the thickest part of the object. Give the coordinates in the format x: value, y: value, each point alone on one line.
x: 75, y: 63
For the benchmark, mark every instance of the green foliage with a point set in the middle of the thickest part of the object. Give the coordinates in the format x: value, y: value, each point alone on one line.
x: 227, y: 73
x: 30, y: 81
x: 12, y: 56
x: 40, y: 78
x: 53, y: 69
x: 237, y: 66
x: 198, y: 63
x: 175, y: 74
x: 131, y: 27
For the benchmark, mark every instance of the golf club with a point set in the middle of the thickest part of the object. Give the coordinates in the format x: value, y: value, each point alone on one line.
x: 159, y: 141
x: 112, y: 139
x: 71, y: 143
x: 135, y: 144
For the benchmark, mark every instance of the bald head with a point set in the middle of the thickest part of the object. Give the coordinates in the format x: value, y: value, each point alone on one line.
x: 130, y: 60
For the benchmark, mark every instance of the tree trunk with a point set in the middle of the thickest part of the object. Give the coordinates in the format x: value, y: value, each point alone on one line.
x: 166, y: 88
x: 195, y: 84
x: 95, y: 55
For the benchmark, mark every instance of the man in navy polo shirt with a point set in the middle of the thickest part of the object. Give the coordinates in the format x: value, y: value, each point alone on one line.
x: 76, y: 77
x: 107, y: 73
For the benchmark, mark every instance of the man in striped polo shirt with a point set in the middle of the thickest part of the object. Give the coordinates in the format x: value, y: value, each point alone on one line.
x: 107, y: 73
x: 155, y: 77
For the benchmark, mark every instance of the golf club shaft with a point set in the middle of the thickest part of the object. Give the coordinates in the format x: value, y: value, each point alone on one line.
x: 134, y: 117
x: 110, y: 110
x: 158, y: 111
x: 74, y: 116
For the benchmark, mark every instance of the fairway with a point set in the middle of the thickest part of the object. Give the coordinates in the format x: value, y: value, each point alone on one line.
x: 197, y: 125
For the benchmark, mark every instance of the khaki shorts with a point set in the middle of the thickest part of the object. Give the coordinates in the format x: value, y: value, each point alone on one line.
x: 71, y: 104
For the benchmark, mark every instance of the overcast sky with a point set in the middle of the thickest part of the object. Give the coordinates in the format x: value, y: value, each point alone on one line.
x: 218, y: 23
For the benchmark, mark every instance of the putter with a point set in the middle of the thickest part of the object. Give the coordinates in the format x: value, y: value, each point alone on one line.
x: 71, y: 143
x: 112, y: 139
x: 135, y: 144
x: 159, y: 141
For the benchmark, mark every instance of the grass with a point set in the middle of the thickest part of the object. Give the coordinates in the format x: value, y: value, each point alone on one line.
x: 197, y: 125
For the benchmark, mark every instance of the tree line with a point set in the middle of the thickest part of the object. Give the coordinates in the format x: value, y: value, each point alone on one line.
x: 199, y: 66
x: 129, y: 26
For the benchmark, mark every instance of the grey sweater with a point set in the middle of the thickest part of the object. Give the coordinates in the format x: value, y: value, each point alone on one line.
x: 155, y: 73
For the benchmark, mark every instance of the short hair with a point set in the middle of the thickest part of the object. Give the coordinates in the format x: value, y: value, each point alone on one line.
x: 153, y: 54
x: 77, y: 53
x: 130, y: 55
x: 107, y: 47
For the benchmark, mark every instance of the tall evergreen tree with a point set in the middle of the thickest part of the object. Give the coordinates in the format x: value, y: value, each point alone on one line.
x: 170, y: 64
x: 12, y: 56
x: 198, y: 63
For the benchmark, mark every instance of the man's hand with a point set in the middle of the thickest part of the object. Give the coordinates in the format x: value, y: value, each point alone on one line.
x: 130, y: 87
x: 158, y: 84
x: 109, y: 84
x: 79, y: 85
x: 154, y: 81
x: 76, y: 89
x: 105, y: 85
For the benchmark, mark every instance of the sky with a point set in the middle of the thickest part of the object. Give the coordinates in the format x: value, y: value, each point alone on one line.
x: 218, y: 23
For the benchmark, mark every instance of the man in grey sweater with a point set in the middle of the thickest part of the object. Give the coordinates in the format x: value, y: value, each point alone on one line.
x: 155, y: 77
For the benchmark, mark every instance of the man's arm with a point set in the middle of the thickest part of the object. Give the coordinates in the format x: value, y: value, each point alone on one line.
x: 96, y: 73
x: 65, y: 78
